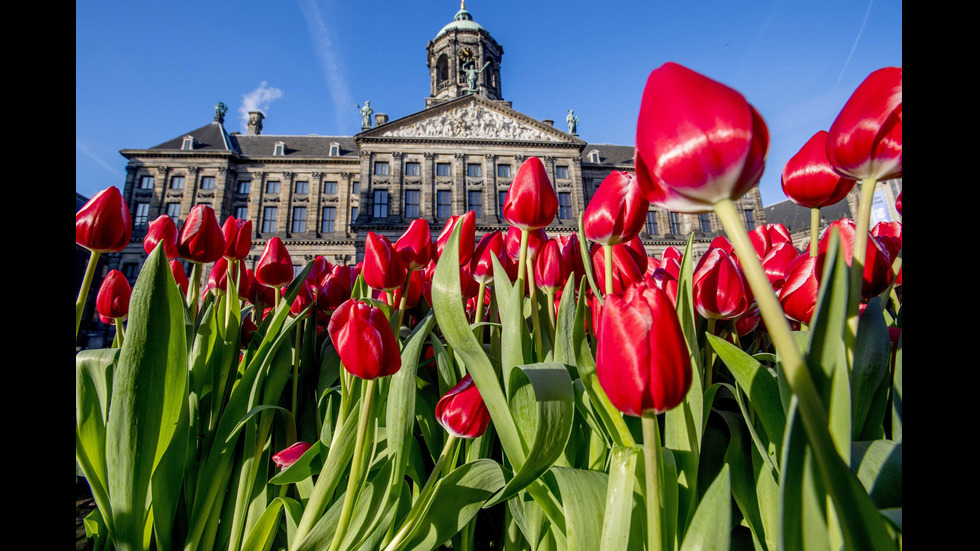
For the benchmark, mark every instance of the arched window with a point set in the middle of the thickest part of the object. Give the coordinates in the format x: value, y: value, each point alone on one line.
x: 442, y: 69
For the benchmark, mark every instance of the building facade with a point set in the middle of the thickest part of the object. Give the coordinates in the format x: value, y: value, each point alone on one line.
x: 321, y: 194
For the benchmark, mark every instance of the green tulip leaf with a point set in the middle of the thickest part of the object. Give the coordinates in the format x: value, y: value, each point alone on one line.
x: 583, y: 494
x: 739, y: 458
x: 896, y: 395
x: 263, y: 533
x: 93, y: 387
x: 711, y: 526
x: 870, y: 373
x: 878, y: 465
x: 619, y: 499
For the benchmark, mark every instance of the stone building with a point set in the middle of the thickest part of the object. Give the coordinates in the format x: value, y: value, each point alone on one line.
x: 321, y: 194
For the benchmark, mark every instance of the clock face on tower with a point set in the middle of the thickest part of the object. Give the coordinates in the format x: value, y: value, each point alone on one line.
x: 466, y: 57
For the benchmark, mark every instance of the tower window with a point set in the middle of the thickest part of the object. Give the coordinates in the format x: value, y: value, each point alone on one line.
x: 302, y: 186
x: 269, y: 215
x: 705, y: 220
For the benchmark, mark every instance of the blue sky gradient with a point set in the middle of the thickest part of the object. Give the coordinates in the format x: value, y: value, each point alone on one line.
x: 147, y: 72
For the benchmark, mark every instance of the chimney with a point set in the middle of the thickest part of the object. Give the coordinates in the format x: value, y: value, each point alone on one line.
x: 380, y: 118
x: 255, y: 123
x: 549, y: 122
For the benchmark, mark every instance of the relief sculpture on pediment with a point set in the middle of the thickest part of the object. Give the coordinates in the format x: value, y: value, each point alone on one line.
x: 471, y: 121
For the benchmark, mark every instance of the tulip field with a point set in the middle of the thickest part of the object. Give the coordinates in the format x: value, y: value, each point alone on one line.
x: 517, y: 391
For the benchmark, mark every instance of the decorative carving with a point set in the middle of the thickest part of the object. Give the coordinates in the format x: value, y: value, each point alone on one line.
x: 364, y: 153
x: 564, y: 184
x: 331, y: 199
x: 471, y: 121
x: 267, y: 199
x: 519, y: 158
x: 316, y: 175
x: 301, y: 199
x: 346, y: 175
x: 549, y: 158
x: 162, y: 169
x: 170, y: 194
x: 397, y: 154
x: 444, y: 182
x: 192, y: 169
x: 287, y: 175
x: 489, y: 157
x: 259, y: 173
x: 381, y: 182
x: 460, y: 156
x: 413, y: 182
x: 205, y: 195
x: 144, y: 193
x: 474, y: 182
x: 429, y: 155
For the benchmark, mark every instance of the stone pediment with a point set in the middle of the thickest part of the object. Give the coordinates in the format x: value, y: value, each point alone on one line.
x: 471, y: 118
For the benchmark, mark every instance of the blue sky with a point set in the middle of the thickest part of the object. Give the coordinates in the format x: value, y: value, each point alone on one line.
x: 146, y: 72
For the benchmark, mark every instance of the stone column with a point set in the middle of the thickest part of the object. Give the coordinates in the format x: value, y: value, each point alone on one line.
x: 396, y: 193
x: 283, y: 224
x: 426, y: 204
x: 459, y: 184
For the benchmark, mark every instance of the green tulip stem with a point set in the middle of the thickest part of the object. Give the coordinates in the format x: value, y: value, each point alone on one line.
x: 402, y: 304
x: 93, y: 261
x: 356, y: 467
x: 814, y: 231
x: 607, y: 253
x: 120, y: 331
x: 521, y: 262
x: 651, y: 458
x: 276, y: 297
x: 478, y: 331
x: 709, y: 353
x: 550, y: 293
x: 194, y: 291
x: 411, y: 519
x: 535, y: 319
x: 296, y: 359
x: 857, y: 264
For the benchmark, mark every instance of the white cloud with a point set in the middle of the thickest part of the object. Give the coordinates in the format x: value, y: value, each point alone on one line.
x: 98, y: 160
x: 333, y: 71
x: 257, y: 100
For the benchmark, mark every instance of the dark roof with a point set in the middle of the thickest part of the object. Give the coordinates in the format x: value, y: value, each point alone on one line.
x: 797, y: 218
x: 609, y: 154
x: 80, y: 201
x: 296, y: 146
x: 210, y: 137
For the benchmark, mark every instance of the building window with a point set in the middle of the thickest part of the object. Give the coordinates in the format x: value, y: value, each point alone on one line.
x: 561, y: 172
x: 142, y: 217
x: 475, y: 199
x: 473, y: 170
x: 412, y: 169
x: 279, y: 150
x: 380, y: 203
x: 705, y: 220
x: 328, y: 219
x: 272, y: 186
x: 188, y: 143
x: 330, y: 188
x: 594, y: 156
x: 243, y: 187
x: 503, y: 171
x: 353, y: 214
x: 297, y: 268
x: 412, y: 197
x: 652, y: 228
x: 299, y: 219
x: 501, y: 199
x: 173, y: 211
x: 444, y: 203
x: 146, y: 182
x: 749, y: 220
x: 302, y: 187
x: 442, y: 169
x: 335, y: 150
x: 675, y: 223
x: 177, y: 182
x: 130, y: 271
x: 269, y: 215
x: 380, y: 168
x: 355, y: 188
x: 565, y: 205
x: 241, y: 213
x: 207, y: 182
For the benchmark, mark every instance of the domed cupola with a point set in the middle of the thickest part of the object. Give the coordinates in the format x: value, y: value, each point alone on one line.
x: 463, y: 59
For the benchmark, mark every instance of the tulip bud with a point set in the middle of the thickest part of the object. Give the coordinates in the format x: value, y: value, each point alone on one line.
x: 364, y: 340
x: 162, y: 230
x: 103, y: 224
x: 275, y: 268
x: 720, y: 288
x: 617, y: 211
x: 810, y: 181
x: 531, y: 202
x: 113, y: 298
x: 798, y: 296
x: 642, y: 361
x: 201, y: 239
x: 238, y: 237
x: 218, y: 278
x: 889, y: 235
x: 383, y: 267
x: 290, y: 455
x: 698, y: 141
x: 481, y: 265
x: 304, y: 298
x: 415, y: 245
x: 549, y: 272
x: 865, y: 140
x: 571, y: 256
x: 629, y: 264
x: 462, y: 411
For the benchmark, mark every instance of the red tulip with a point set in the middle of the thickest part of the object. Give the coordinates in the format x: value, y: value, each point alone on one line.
x: 334, y: 292
x: 462, y: 411
x: 629, y: 264
x: 113, y: 298
x: 103, y: 224
x: 776, y: 263
x: 642, y: 360
x: 798, y: 296
x: 865, y: 140
x: 318, y: 272
x: 666, y: 281
x: 748, y: 322
x: 415, y: 245
x: 766, y: 236
x: 571, y: 256
x: 218, y: 278
x: 290, y: 455
x: 808, y: 178
x: 383, y: 268
x: 889, y: 235
x: 535, y: 240
x: 248, y: 330
x: 898, y: 203
x: 201, y: 239
x: 720, y: 289
x: 877, y: 262
x: 275, y: 268
x: 531, y: 202
x: 363, y: 339
x: 481, y: 265
x: 180, y: 276
x: 722, y: 242
x: 617, y: 211
x: 304, y: 298
x: 697, y: 141
x: 672, y: 252
x: 549, y: 270
x: 162, y: 230
x: 238, y: 237
x: 467, y: 235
